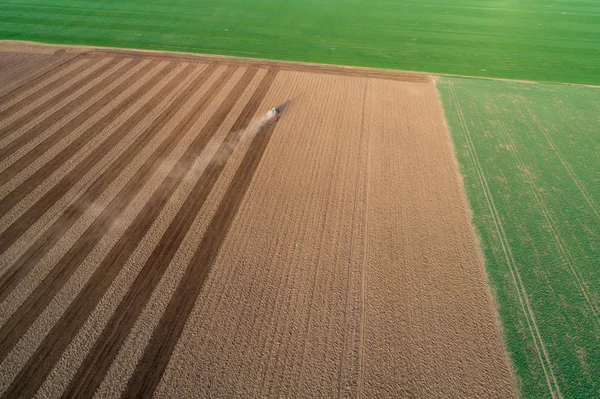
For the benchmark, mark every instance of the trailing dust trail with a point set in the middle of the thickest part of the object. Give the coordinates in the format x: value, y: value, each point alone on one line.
x: 224, y: 150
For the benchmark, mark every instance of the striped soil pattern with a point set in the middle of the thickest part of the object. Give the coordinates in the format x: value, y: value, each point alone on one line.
x: 17, y: 66
x: 160, y: 237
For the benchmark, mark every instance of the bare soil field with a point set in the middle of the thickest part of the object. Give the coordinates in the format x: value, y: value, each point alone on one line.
x: 159, y: 238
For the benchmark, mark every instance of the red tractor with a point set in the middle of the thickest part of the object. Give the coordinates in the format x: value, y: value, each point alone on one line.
x: 273, y: 115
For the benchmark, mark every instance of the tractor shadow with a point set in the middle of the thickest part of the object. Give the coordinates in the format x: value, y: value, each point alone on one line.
x: 281, y: 108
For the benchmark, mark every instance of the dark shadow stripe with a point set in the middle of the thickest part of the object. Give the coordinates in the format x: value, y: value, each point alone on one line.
x: 59, y: 275
x: 43, y: 91
x: 37, y: 77
x: 21, y: 191
x: 42, y: 245
x: 38, y: 129
x: 68, y: 264
x: 5, y: 131
x: 40, y: 364
x: 106, y: 348
x: 35, y: 153
x: 151, y: 367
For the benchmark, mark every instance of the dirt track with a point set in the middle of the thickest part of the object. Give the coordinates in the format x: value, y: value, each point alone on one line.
x: 156, y: 237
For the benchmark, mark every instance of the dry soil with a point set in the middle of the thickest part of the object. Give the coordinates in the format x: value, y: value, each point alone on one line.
x: 158, y: 237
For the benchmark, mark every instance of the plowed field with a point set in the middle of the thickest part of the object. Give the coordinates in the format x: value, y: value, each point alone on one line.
x: 157, y: 236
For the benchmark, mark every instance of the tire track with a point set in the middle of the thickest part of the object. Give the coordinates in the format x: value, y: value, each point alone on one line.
x: 363, y: 271
x: 521, y: 293
x: 154, y: 362
x: 584, y: 126
x: 545, y: 211
x: 562, y: 159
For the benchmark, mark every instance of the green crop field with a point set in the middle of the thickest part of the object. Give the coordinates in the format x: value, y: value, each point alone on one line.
x: 530, y: 158
x: 556, y: 41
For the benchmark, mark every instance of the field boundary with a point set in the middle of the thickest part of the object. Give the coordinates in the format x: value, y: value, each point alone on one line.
x: 407, y: 76
x: 379, y: 73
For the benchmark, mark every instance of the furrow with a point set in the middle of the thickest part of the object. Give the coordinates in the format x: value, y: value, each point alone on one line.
x: 133, y: 347
x: 61, y: 133
x: 90, y: 375
x: 38, y: 83
x: 47, y: 155
x: 152, y: 365
x: 64, y: 117
x: 49, y: 259
x: 42, y: 362
x: 9, y: 110
x: 30, y: 114
x: 63, y: 298
x: 201, y: 326
x: 68, y: 217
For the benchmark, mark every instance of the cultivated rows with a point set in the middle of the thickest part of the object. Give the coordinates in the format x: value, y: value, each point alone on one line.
x: 158, y: 236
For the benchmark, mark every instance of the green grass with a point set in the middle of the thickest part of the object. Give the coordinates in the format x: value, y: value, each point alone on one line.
x: 556, y: 41
x: 530, y: 158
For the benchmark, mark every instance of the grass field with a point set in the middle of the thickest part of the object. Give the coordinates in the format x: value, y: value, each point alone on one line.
x: 533, y: 40
x: 529, y: 155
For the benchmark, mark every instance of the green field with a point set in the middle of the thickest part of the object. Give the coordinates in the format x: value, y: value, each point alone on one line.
x: 530, y: 159
x: 556, y: 41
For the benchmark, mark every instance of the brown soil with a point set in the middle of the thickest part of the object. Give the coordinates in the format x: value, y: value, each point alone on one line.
x: 21, y: 62
x: 157, y: 236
